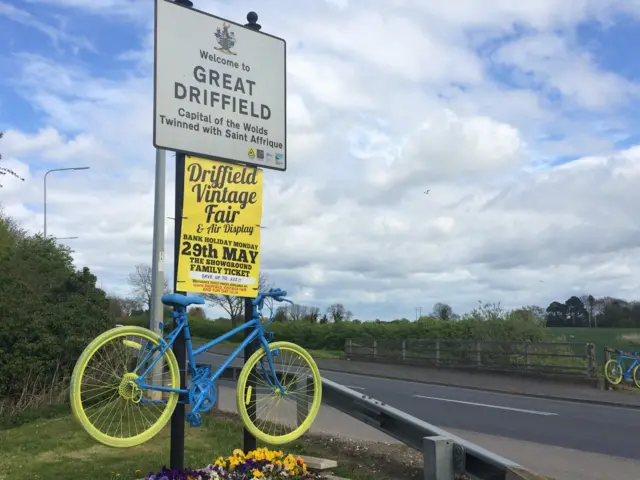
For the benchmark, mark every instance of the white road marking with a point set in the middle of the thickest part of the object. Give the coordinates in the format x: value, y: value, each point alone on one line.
x: 354, y: 388
x: 533, y: 412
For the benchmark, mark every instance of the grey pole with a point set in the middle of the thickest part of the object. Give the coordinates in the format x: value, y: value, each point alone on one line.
x: 157, y: 262
x: 45, y: 190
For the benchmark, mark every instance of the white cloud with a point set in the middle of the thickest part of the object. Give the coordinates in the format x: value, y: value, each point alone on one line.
x: 384, y: 102
x: 446, y: 147
x: 552, y: 61
x: 57, y: 35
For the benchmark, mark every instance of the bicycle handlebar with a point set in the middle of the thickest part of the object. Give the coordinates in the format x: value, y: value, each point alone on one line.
x: 276, y: 293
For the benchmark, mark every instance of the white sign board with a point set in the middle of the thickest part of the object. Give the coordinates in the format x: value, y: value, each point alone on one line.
x: 220, y: 89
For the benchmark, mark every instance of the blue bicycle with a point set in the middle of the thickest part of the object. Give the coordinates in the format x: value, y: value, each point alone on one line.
x: 615, y: 371
x: 126, y: 384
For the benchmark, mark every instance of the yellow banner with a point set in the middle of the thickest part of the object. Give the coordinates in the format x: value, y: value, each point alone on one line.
x: 220, y: 241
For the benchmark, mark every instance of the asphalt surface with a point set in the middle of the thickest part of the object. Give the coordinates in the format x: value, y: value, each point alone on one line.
x: 602, y: 429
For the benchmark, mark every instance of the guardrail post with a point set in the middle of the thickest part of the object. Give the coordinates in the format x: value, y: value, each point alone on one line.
x: 375, y: 348
x: 438, y: 458
x: 526, y: 357
x: 478, y: 354
x: 437, y: 353
x: 349, y: 347
x: 404, y: 350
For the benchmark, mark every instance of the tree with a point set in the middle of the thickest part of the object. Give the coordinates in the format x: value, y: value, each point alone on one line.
x: 313, y: 314
x: 129, y: 306
x: 197, y: 312
x: 281, y: 314
x: 591, y: 301
x: 443, y: 311
x: 576, y: 314
x: 556, y: 314
x: 43, y: 337
x: 338, y: 313
x: 297, y: 312
x: 141, y: 283
x: 234, y: 306
x: 4, y: 170
x: 538, y: 314
x: 115, y: 307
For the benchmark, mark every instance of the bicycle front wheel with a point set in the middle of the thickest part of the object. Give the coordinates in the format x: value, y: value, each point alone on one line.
x: 105, y: 397
x: 613, y: 372
x: 280, y: 417
x: 636, y: 375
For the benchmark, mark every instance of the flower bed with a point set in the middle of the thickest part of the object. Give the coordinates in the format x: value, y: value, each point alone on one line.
x: 260, y: 463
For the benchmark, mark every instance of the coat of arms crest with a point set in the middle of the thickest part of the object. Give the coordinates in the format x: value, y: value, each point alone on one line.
x: 226, y: 39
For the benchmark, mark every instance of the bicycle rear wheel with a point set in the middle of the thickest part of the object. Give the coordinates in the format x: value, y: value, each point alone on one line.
x: 294, y: 410
x: 613, y: 371
x: 104, y: 396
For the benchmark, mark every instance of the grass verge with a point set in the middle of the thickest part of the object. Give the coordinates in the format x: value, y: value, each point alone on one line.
x: 57, y: 448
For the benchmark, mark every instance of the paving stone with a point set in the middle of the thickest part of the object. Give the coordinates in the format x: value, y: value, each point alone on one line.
x: 318, y: 464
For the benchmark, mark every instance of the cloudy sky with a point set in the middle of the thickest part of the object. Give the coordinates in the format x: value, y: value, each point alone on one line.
x: 520, y: 118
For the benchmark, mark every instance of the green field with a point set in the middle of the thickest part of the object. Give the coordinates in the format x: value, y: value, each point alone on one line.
x: 627, y: 339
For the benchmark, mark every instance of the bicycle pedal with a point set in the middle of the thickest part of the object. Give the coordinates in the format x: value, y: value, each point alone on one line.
x: 194, y: 419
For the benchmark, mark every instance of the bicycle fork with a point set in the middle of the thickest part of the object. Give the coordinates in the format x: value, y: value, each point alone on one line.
x: 275, y: 383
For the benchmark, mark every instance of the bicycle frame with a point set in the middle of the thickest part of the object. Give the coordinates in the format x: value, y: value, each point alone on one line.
x: 627, y: 371
x: 183, y: 325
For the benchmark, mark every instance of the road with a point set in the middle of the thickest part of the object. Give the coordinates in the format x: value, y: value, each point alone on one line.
x: 601, y: 429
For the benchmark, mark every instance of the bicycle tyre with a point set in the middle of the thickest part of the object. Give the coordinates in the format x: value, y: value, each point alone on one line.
x: 314, y: 408
x: 615, y: 367
x: 636, y: 375
x: 75, y: 393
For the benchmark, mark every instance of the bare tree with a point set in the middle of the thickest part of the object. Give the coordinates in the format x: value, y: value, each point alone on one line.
x: 297, y: 312
x: 141, y: 283
x: 129, y: 305
x: 234, y: 306
x: 338, y: 313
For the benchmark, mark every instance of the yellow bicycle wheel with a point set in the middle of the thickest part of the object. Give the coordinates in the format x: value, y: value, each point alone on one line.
x: 636, y: 375
x: 104, y: 396
x: 300, y: 377
x: 613, y: 372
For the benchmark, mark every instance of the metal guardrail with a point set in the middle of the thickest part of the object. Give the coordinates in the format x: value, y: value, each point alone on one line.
x: 446, y: 456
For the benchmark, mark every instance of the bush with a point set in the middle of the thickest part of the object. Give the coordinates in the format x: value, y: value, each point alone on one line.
x: 483, y: 323
x: 50, y: 311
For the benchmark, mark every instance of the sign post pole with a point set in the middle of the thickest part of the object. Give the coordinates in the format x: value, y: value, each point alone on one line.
x: 156, y: 309
x: 179, y: 347
x: 176, y: 452
x: 249, y: 440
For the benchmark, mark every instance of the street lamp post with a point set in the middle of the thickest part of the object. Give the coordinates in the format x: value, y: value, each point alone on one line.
x: 45, y: 190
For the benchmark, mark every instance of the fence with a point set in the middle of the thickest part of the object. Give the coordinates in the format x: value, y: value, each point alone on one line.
x: 446, y: 456
x: 575, y: 359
